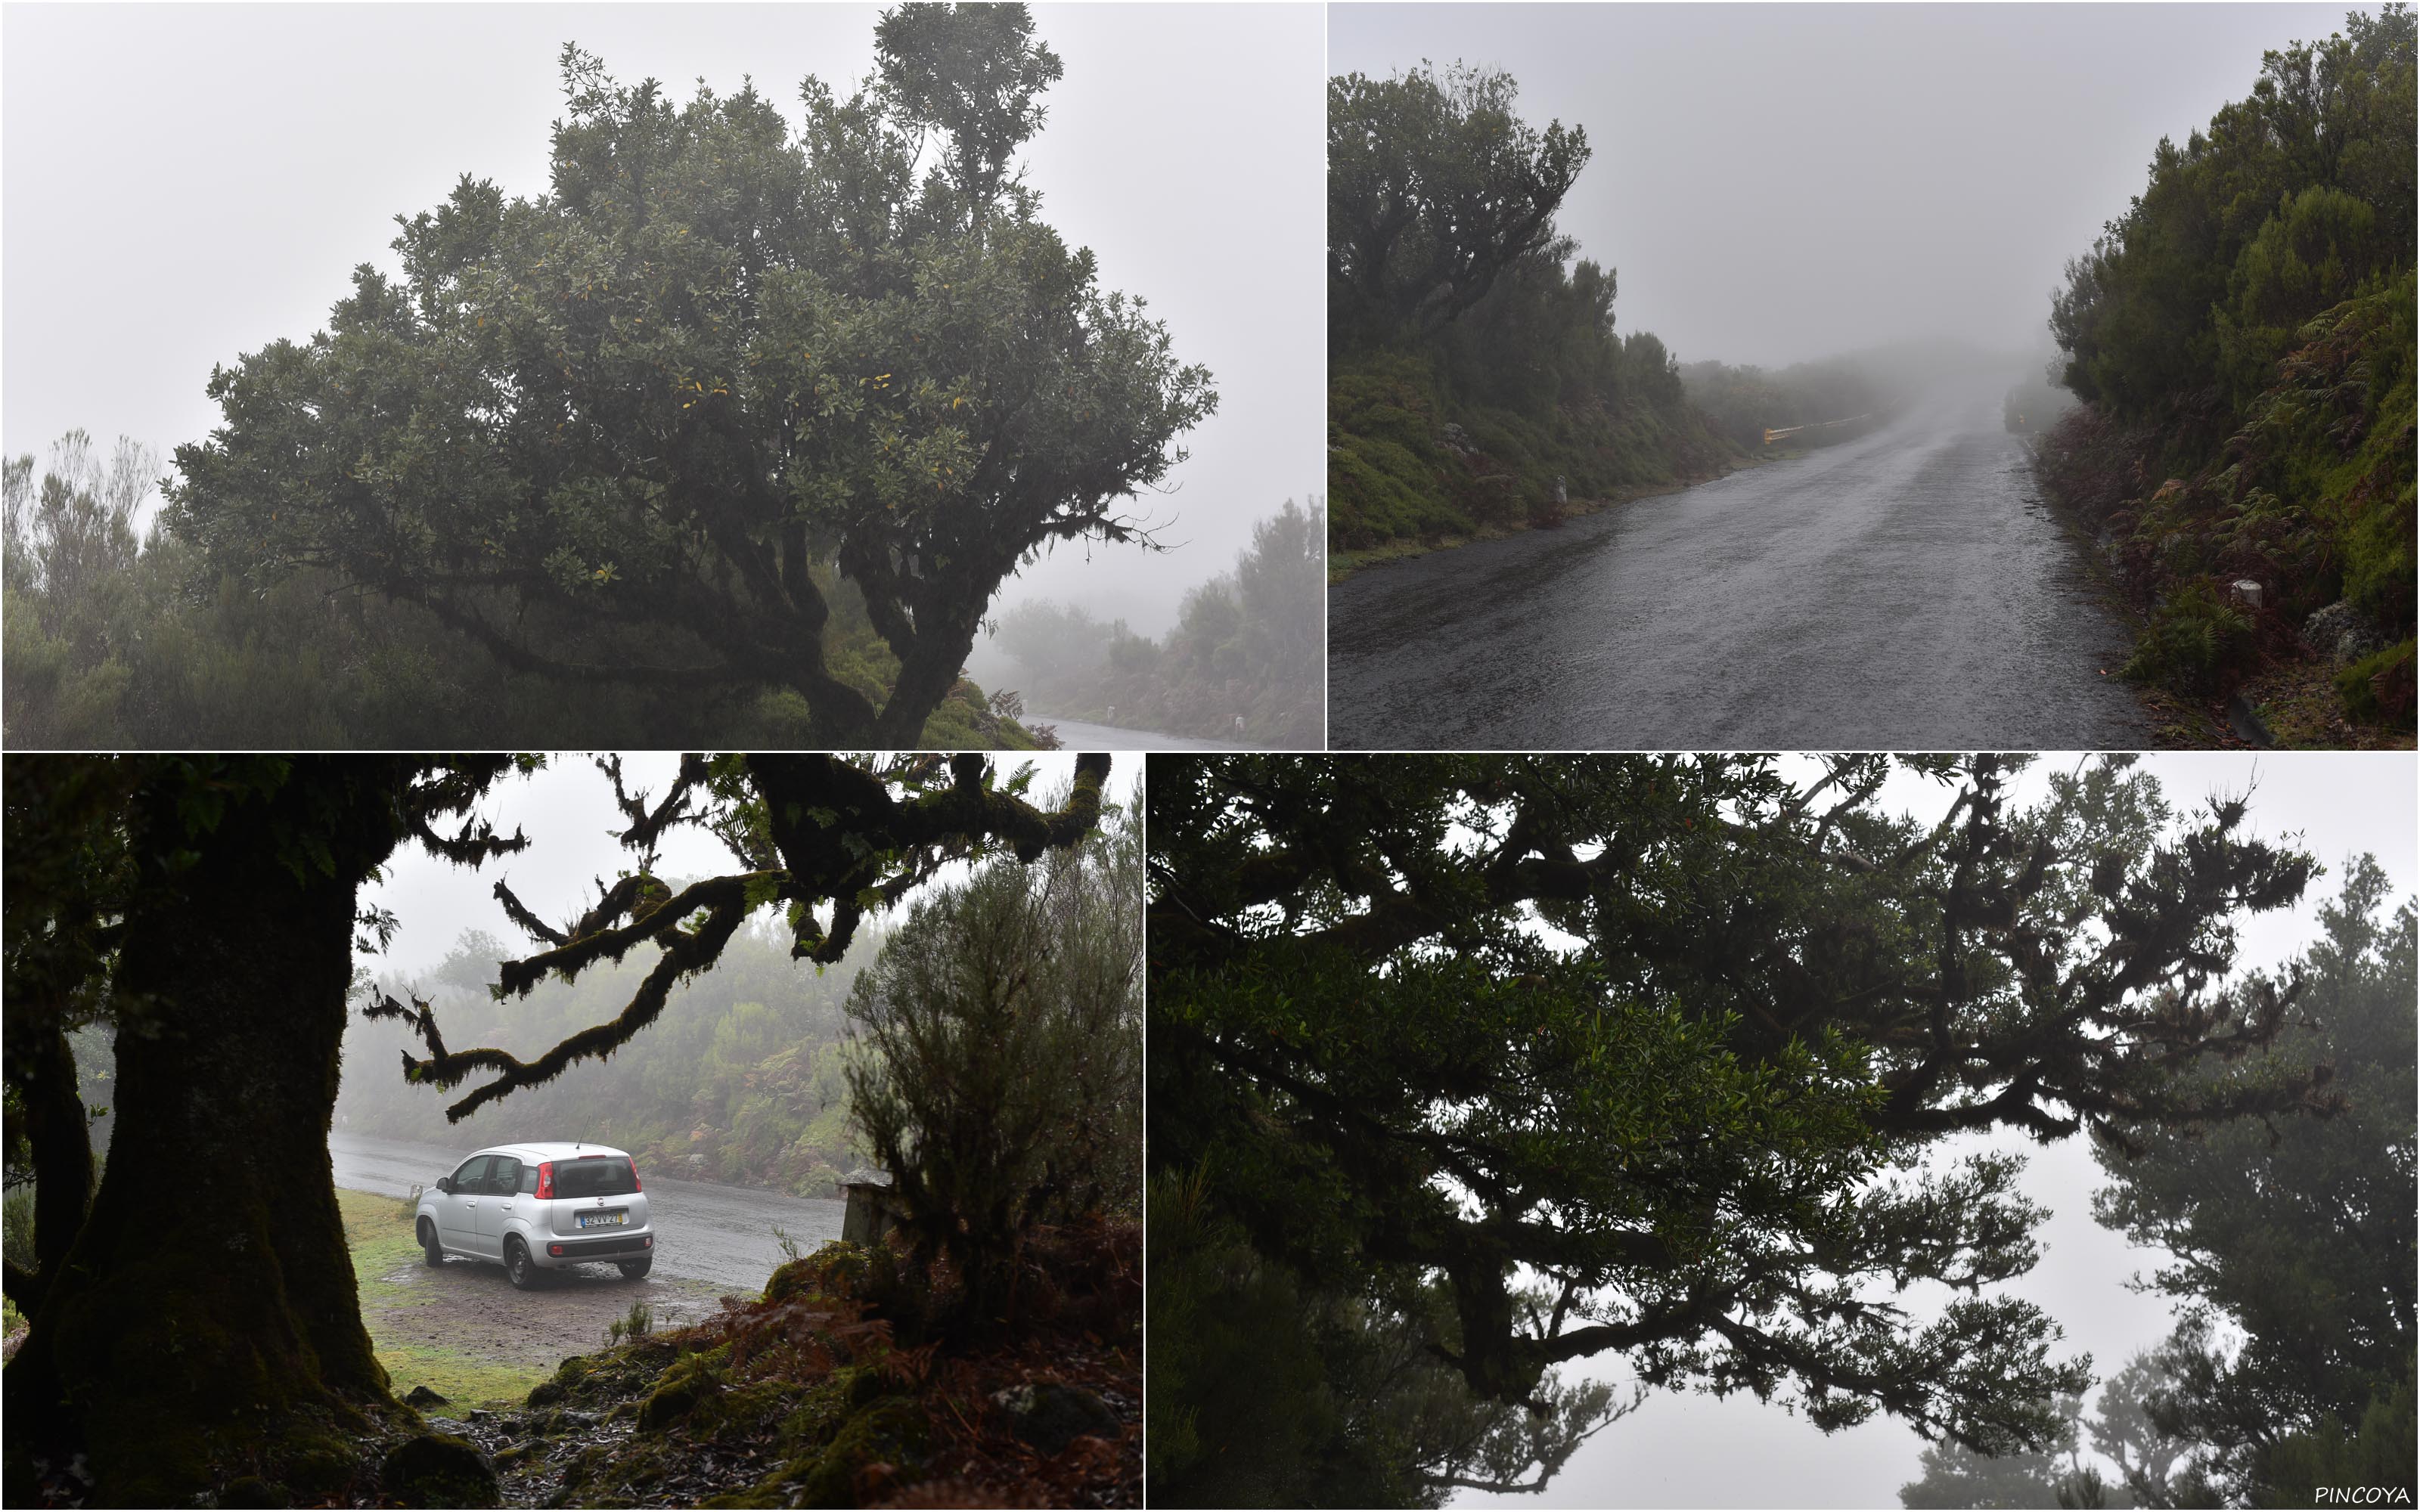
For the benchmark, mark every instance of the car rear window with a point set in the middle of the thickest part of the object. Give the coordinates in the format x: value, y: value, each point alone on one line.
x: 596, y: 1178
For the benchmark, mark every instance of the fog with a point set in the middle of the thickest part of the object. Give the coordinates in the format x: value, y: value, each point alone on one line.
x: 739, y: 1078
x: 186, y: 183
x: 1781, y: 183
x: 1691, y: 1450
x: 566, y: 811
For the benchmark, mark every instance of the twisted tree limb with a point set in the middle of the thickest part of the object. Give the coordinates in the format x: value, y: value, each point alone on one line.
x: 843, y: 837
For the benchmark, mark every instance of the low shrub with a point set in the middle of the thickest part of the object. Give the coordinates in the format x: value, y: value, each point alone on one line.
x: 2377, y: 690
x: 2197, y: 643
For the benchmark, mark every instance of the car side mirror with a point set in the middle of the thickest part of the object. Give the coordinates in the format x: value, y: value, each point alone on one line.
x: 445, y: 1185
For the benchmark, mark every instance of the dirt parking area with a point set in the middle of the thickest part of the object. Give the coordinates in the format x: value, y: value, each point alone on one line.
x: 468, y: 1307
x: 462, y: 1331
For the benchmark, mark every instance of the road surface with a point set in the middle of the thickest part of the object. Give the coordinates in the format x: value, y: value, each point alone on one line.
x: 1905, y: 590
x: 719, y: 1234
x: 1076, y: 736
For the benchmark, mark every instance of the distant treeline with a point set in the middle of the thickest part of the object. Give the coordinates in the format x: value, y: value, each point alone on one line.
x: 743, y: 1079
x: 2035, y: 404
x: 1245, y: 661
x: 1746, y: 402
x: 122, y: 637
x: 1475, y: 378
x: 2242, y: 340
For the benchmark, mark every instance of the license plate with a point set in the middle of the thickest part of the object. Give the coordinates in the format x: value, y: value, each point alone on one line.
x: 603, y: 1220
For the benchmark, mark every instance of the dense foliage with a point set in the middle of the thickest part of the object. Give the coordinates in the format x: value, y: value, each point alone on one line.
x: 1474, y: 378
x: 2299, y: 1239
x: 1522, y: 1060
x: 2243, y: 339
x: 1000, y: 1081
x: 1435, y: 189
x: 116, y: 640
x: 2290, y: 1245
x: 651, y: 428
x: 1245, y: 662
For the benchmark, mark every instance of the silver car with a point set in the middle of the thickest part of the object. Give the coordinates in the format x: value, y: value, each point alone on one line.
x: 537, y: 1208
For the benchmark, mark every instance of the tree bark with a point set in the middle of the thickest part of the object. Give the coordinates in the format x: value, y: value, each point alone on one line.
x: 204, y: 1327
x: 61, y: 1142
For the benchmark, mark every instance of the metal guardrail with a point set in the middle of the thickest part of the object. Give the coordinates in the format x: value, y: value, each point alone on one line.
x: 1771, y: 435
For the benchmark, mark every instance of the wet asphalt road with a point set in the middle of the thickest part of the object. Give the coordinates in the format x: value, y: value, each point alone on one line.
x: 1073, y: 735
x: 715, y: 1233
x: 1903, y: 591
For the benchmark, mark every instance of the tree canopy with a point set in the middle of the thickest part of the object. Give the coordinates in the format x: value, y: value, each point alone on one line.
x: 643, y: 428
x: 2295, y: 198
x: 1643, y: 1055
x: 2299, y: 1237
x: 2242, y: 336
x: 1475, y: 378
x: 1435, y: 187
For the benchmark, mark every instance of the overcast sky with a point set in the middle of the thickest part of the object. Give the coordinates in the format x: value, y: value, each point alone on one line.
x: 1775, y: 183
x: 186, y: 183
x: 1689, y: 1450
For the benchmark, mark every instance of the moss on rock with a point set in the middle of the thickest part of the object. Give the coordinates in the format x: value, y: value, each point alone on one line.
x: 674, y: 1400
x: 438, y: 1470
x: 877, y: 1448
x: 835, y: 1272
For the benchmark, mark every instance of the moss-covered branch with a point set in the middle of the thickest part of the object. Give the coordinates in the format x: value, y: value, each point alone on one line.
x: 852, y: 836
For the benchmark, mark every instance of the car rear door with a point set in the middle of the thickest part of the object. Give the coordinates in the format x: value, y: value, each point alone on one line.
x: 502, y: 1199
x: 457, y: 1211
x: 597, y: 1194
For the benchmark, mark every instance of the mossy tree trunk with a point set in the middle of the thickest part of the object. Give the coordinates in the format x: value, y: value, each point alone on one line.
x: 204, y: 1327
x: 56, y: 1132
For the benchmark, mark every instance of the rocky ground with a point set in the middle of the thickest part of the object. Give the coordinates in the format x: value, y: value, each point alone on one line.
x: 802, y: 1398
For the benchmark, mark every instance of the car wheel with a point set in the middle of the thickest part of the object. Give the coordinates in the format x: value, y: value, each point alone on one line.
x: 635, y: 1269
x: 430, y: 1250
x: 518, y: 1265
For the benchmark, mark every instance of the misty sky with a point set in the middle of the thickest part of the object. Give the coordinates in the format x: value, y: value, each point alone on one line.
x: 566, y: 811
x: 1776, y: 183
x: 1691, y: 1450
x: 186, y: 183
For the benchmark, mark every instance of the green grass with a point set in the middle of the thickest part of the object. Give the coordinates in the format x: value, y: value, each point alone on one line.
x: 464, y: 1383
x: 380, y: 1239
x: 379, y: 1235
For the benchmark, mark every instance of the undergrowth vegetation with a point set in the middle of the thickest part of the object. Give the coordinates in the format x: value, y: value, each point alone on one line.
x: 120, y: 638
x: 1415, y: 455
x: 1476, y: 382
x: 835, y: 1387
x: 2244, y: 341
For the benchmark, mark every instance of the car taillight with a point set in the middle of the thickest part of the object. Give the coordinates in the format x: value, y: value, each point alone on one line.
x: 635, y: 1177
x: 545, y: 1181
